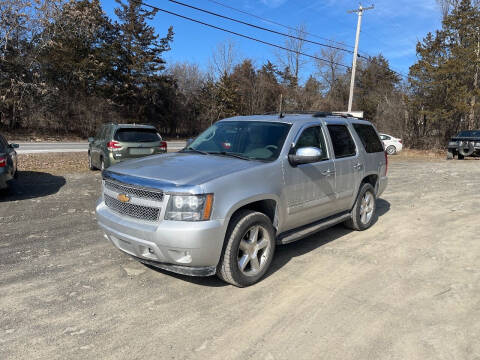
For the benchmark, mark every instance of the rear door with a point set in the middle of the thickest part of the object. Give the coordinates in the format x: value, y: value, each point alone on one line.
x: 347, y: 165
x: 137, y: 142
x: 310, y: 188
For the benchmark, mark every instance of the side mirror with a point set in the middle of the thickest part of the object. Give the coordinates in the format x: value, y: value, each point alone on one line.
x: 189, y: 141
x: 90, y: 139
x: 14, y: 146
x: 305, y: 155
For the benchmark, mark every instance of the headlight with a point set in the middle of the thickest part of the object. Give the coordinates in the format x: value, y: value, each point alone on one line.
x: 477, y: 144
x: 189, y: 207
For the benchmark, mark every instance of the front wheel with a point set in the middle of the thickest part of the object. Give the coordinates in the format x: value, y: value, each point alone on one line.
x: 249, y: 249
x: 363, y: 211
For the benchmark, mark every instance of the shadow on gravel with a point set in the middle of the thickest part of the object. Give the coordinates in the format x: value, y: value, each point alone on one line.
x: 31, y: 185
x: 284, y: 253
x: 211, y: 281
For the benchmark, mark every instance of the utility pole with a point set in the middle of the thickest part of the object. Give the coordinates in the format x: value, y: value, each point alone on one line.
x: 359, y: 11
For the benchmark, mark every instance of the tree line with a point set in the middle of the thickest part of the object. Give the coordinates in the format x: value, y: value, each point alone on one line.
x: 66, y: 67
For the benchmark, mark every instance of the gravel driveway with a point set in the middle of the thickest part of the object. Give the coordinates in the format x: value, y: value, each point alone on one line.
x: 408, y: 288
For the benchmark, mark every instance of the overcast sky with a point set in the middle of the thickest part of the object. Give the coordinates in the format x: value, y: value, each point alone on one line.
x: 392, y: 28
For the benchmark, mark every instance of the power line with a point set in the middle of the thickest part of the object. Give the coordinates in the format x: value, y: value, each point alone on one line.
x: 277, y: 23
x: 239, y: 34
x: 367, y: 58
x: 260, y: 27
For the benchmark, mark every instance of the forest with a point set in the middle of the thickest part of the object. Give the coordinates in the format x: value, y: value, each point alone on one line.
x: 66, y: 67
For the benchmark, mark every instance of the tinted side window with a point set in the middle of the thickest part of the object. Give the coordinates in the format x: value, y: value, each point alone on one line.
x: 342, y: 141
x: 312, y: 137
x: 369, y: 138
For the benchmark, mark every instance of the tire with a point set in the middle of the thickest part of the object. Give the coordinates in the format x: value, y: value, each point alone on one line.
x: 90, y: 163
x: 361, y: 220
x: 102, y: 164
x: 242, y: 247
x: 391, y: 150
x: 449, y: 155
x: 461, y: 157
x: 470, y: 151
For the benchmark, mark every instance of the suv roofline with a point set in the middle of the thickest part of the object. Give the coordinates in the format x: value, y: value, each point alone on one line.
x: 291, y: 118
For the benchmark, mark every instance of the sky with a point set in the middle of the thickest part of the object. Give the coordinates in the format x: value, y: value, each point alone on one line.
x: 392, y: 28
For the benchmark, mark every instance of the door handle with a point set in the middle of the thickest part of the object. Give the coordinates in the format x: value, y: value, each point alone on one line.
x: 328, y: 172
x: 357, y: 166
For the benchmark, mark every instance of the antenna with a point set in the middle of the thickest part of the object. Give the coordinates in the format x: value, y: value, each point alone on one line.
x: 281, y: 104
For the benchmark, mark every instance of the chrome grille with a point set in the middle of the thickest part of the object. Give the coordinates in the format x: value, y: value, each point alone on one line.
x: 133, y: 191
x: 132, y: 210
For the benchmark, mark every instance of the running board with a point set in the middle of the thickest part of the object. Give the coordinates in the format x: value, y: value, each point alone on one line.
x: 304, y: 231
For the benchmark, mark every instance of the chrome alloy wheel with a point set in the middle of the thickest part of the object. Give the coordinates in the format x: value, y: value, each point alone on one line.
x: 254, y: 250
x: 366, y: 207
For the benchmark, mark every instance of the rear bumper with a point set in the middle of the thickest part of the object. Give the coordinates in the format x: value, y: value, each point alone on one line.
x: 382, y: 185
x: 169, y: 245
x: 4, y: 178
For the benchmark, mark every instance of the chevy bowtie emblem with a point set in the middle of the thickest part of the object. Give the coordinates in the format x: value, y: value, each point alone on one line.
x: 123, y: 198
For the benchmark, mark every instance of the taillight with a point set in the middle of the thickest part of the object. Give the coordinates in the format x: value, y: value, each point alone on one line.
x: 386, y: 163
x: 163, y: 146
x: 3, y: 161
x: 113, y: 145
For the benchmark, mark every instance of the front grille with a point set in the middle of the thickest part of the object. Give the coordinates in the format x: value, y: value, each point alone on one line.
x: 133, y: 191
x: 132, y: 210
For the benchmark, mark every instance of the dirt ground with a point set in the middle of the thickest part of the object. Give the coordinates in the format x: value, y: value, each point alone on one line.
x: 407, y: 288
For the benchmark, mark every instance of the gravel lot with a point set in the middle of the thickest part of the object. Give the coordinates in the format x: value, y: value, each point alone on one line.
x: 408, y: 288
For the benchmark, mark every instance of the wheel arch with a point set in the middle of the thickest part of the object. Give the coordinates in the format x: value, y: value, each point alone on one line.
x: 267, y: 205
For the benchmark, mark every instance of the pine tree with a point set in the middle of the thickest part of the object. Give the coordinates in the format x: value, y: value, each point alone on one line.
x: 140, y: 59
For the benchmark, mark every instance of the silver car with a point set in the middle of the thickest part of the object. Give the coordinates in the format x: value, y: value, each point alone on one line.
x: 246, y: 184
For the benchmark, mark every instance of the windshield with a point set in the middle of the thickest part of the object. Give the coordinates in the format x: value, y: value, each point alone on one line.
x: 469, y: 133
x: 137, y: 135
x: 256, y: 140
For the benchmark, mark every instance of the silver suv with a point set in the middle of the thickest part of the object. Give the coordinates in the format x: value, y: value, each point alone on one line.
x: 246, y: 184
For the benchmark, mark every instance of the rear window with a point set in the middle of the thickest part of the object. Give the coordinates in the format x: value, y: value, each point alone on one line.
x: 469, y: 133
x: 3, y: 144
x: 137, y: 135
x: 369, y: 138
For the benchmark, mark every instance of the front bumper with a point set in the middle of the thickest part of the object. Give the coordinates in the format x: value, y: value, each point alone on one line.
x: 191, y: 248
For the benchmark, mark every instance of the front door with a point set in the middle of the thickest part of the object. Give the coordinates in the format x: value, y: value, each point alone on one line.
x: 310, y: 188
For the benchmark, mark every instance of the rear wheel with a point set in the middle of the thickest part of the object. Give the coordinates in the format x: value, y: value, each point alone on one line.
x: 363, y: 211
x: 90, y: 163
x: 249, y: 249
x: 391, y: 150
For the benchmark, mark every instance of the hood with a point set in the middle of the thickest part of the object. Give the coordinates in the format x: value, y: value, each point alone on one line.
x: 182, y: 169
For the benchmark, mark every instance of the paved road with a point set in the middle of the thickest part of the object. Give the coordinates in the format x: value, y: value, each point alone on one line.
x: 44, y: 147
x: 408, y: 288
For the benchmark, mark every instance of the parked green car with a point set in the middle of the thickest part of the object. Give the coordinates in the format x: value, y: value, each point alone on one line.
x: 8, y: 162
x: 118, y: 142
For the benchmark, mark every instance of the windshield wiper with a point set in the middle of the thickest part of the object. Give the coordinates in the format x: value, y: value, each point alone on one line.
x: 224, y: 153
x: 195, y: 150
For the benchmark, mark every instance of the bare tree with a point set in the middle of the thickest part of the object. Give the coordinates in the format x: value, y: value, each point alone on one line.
x: 224, y: 58
x: 329, y: 71
x: 292, y: 59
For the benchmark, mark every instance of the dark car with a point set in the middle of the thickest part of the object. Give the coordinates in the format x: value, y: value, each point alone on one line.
x: 8, y: 162
x: 114, y: 143
x: 466, y: 143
